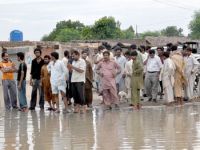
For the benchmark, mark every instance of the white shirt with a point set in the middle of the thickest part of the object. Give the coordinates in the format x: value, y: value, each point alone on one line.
x: 154, y: 64
x: 191, y: 64
x: 121, y: 61
x: 65, y: 61
x: 77, y: 76
x: 128, y: 67
x: 144, y: 56
x: 58, y: 72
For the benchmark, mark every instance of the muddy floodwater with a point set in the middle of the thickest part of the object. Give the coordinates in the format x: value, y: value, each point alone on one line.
x: 150, y: 128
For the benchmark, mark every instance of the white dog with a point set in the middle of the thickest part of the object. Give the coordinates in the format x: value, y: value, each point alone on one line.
x: 122, y: 97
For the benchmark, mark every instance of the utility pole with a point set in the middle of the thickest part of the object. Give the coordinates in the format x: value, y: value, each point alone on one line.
x: 136, y: 32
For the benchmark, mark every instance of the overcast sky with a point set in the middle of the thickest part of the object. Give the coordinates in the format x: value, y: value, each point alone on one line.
x: 38, y: 17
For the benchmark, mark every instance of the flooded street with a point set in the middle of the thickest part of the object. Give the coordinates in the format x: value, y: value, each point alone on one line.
x: 150, y: 128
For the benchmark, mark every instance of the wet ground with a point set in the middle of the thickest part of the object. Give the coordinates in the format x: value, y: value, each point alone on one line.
x: 153, y: 127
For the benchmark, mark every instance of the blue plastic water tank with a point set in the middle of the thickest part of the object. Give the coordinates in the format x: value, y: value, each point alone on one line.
x: 16, y: 36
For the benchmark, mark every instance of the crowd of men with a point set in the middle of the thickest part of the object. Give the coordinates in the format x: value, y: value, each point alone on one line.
x: 134, y: 72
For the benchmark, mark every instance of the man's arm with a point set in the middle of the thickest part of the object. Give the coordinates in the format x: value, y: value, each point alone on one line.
x: 118, y: 68
x: 31, y: 73
x: 196, y: 65
x: 90, y: 71
x: 77, y: 69
x: 80, y: 69
x: 21, y: 78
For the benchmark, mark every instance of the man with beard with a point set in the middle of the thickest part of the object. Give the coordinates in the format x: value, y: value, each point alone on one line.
x: 8, y: 82
x: 88, y: 80
x: 108, y: 69
x: 78, y: 68
x: 46, y: 85
x: 179, y: 77
x: 36, y: 66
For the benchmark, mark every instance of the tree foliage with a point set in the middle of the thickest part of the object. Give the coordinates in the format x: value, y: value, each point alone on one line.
x: 104, y: 28
x: 109, y: 28
x: 194, y: 26
x: 128, y: 33
x: 150, y: 33
x: 172, y: 31
x: 68, y: 34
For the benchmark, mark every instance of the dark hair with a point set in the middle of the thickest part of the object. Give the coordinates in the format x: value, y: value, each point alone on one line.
x: 117, y: 48
x: 169, y: 45
x: 107, y: 45
x: 189, y: 49
x: 166, y: 54
x: 47, y: 56
x: 101, y: 47
x: 55, y: 55
x: 3, y: 54
x: 20, y: 55
x: 66, y: 53
x: 133, y: 46
x: 37, y: 50
x: 120, y: 45
x: 106, y: 52
x: 84, y: 51
x: 161, y: 48
x: 142, y: 47
x: 128, y: 53
x: 134, y: 53
x: 184, y: 47
x: 148, y: 47
x: 152, y: 51
x: 174, y: 48
x: 169, y: 49
x: 76, y: 52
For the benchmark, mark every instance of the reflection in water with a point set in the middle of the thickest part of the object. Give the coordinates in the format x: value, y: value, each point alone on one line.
x: 150, y: 128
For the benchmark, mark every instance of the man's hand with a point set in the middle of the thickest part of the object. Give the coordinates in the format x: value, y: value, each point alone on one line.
x: 114, y: 74
x: 31, y: 82
x: 19, y: 87
x: 101, y: 74
x: 124, y: 75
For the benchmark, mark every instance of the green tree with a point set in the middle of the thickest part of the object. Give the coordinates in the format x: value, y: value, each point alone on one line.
x: 67, y: 27
x: 150, y: 33
x: 128, y: 33
x: 66, y: 35
x: 194, y: 26
x: 172, y: 31
x: 106, y: 28
x: 70, y: 24
x: 86, y: 33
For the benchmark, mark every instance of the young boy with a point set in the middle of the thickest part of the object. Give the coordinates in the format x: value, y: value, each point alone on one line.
x: 21, y: 82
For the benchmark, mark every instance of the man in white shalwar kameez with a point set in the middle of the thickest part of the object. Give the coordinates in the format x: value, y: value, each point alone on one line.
x: 168, y: 78
x: 121, y: 61
x: 191, y: 67
x: 128, y: 74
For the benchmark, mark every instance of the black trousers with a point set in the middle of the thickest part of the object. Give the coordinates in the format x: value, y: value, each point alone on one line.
x: 78, y: 92
x: 69, y: 90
